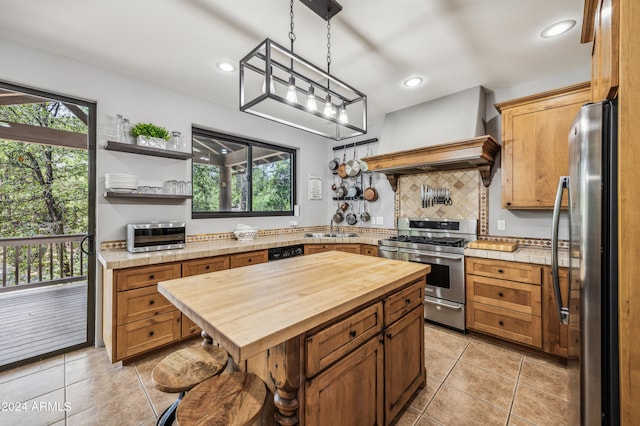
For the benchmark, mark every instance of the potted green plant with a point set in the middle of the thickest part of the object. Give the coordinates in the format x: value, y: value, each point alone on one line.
x: 148, y: 134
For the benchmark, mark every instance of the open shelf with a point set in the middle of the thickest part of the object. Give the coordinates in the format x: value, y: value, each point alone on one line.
x: 109, y: 194
x: 147, y: 150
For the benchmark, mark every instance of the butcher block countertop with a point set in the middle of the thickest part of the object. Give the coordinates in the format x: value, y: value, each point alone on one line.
x: 251, y: 309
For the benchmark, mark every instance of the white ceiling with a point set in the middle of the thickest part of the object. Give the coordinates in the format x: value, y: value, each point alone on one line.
x: 376, y: 44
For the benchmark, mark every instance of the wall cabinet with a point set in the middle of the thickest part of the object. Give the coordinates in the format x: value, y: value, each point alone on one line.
x: 505, y: 299
x: 605, y: 56
x: 355, y: 353
x: 535, y: 152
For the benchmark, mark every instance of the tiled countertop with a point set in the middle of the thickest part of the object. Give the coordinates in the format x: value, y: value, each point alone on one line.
x: 117, y: 259
x: 541, y: 256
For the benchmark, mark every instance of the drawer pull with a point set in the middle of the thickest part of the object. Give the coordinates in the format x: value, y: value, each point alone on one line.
x: 249, y: 260
x: 151, y: 277
x: 150, y: 333
x: 407, y: 300
x: 389, y: 336
x: 352, y: 333
x: 207, y: 267
x: 500, y: 271
x: 151, y: 302
x: 501, y: 294
x: 501, y: 323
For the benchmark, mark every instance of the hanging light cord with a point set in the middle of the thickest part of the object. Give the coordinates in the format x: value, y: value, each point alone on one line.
x: 292, y: 35
x: 328, y: 49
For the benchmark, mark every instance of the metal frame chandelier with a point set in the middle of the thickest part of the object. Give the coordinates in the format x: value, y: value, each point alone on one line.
x: 279, y: 85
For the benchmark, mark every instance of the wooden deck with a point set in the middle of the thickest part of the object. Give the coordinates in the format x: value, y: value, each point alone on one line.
x: 41, y: 320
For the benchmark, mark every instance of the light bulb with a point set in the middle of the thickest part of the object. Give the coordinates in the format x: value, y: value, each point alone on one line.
x: 292, y: 95
x: 312, y: 105
x: 328, y: 107
x: 342, y: 117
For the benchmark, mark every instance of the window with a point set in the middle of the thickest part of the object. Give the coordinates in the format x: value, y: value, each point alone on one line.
x: 225, y: 186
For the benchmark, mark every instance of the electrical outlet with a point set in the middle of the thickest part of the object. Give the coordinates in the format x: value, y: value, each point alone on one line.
x: 373, y: 220
x: 293, y: 223
x: 502, y: 225
x: 380, y: 220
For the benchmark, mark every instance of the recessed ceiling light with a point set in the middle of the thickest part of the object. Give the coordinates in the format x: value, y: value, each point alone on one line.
x: 558, y: 28
x: 225, y: 66
x: 413, y: 82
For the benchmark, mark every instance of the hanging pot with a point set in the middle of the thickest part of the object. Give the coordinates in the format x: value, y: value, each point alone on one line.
x: 371, y: 193
x: 341, y: 191
x: 344, y: 206
x: 365, y: 216
x: 354, y: 192
x: 352, y: 218
x: 353, y: 165
x: 363, y: 164
x: 334, y: 164
x: 342, y: 168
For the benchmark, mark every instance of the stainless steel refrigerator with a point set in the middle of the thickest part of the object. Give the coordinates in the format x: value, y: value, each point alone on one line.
x: 591, y: 308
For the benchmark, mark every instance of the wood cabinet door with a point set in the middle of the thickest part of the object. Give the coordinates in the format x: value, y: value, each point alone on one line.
x: 535, y: 153
x: 250, y: 258
x: 369, y: 250
x: 606, y: 57
x: 402, y: 357
x: 349, y: 248
x: 351, y: 391
x: 554, y: 335
x: 203, y: 266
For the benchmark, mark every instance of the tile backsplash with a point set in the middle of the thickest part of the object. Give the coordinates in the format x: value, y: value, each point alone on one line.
x: 465, y: 187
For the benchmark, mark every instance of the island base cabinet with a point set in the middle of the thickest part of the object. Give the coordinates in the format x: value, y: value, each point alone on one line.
x: 406, y: 363
x: 351, y: 391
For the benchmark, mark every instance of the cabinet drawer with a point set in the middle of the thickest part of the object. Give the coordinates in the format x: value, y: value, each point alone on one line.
x: 140, y: 336
x: 189, y: 328
x: 504, y: 323
x: 400, y: 304
x: 335, y: 341
x: 369, y: 250
x: 513, y: 271
x: 202, y: 266
x: 127, y: 279
x: 317, y: 248
x: 250, y: 258
x: 525, y: 298
x: 349, y: 248
x: 141, y: 303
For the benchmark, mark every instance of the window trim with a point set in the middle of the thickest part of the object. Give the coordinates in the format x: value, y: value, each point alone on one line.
x: 195, y: 130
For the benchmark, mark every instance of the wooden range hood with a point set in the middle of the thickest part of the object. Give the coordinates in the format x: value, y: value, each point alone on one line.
x: 477, y: 153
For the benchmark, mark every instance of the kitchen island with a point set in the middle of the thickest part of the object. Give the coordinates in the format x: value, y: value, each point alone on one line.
x: 337, y: 337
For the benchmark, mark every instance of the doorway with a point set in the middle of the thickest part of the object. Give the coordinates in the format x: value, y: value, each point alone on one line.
x: 47, y: 224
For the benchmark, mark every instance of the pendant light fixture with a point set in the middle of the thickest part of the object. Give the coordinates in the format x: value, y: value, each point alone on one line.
x: 272, y: 78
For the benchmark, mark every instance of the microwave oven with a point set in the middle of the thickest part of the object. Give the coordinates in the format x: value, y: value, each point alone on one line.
x: 144, y: 237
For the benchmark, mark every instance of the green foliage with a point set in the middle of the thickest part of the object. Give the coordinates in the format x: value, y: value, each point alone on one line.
x: 272, y: 186
x: 149, y: 130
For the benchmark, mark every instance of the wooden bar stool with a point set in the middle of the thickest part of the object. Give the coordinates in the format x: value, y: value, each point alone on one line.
x: 228, y: 399
x: 184, y: 369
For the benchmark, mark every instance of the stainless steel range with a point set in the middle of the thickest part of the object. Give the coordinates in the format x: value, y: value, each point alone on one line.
x: 439, y: 243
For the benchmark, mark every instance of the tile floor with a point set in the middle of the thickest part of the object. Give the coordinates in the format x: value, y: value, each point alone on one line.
x: 470, y: 380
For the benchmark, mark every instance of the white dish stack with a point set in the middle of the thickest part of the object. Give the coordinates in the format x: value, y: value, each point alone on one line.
x: 118, y: 182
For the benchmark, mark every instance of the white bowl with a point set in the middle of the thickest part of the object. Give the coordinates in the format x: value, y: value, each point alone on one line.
x: 245, y: 234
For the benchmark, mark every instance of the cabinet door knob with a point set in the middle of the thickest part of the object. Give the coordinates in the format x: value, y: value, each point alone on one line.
x: 352, y: 333
x: 249, y: 260
x: 151, y: 302
x: 501, y: 294
x: 150, y: 333
x: 501, y: 323
x: 389, y: 335
x: 151, y: 277
x: 207, y: 267
x: 407, y: 300
x: 500, y: 271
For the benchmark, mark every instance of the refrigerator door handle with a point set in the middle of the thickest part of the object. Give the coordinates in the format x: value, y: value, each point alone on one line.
x: 563, y: 311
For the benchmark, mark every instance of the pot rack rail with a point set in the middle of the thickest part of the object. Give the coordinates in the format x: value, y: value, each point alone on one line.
x: 353, y: 144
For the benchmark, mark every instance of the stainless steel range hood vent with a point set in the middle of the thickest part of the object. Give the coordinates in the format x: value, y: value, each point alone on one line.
x: 479, y: 152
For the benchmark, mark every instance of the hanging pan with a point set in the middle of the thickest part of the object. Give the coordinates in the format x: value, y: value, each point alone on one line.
x: 371, y: 193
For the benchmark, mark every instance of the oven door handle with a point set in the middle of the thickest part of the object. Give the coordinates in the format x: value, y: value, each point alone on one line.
x: 443, y: 305
x: 444, y: 256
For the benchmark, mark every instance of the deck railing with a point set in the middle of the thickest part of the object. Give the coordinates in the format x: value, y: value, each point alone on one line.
x: 42, y: 260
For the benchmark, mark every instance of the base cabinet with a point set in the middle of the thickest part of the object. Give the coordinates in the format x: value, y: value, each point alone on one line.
x: 319, y: 248
x: 400, y: 386
x: 351, y: 391
x: 358, y: 372
x: 555, y: 336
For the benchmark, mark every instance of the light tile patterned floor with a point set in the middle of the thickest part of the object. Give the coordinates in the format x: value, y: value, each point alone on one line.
x: 470, y: 381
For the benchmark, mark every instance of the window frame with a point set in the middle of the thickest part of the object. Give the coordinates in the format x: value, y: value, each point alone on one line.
x: 250, y: 143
